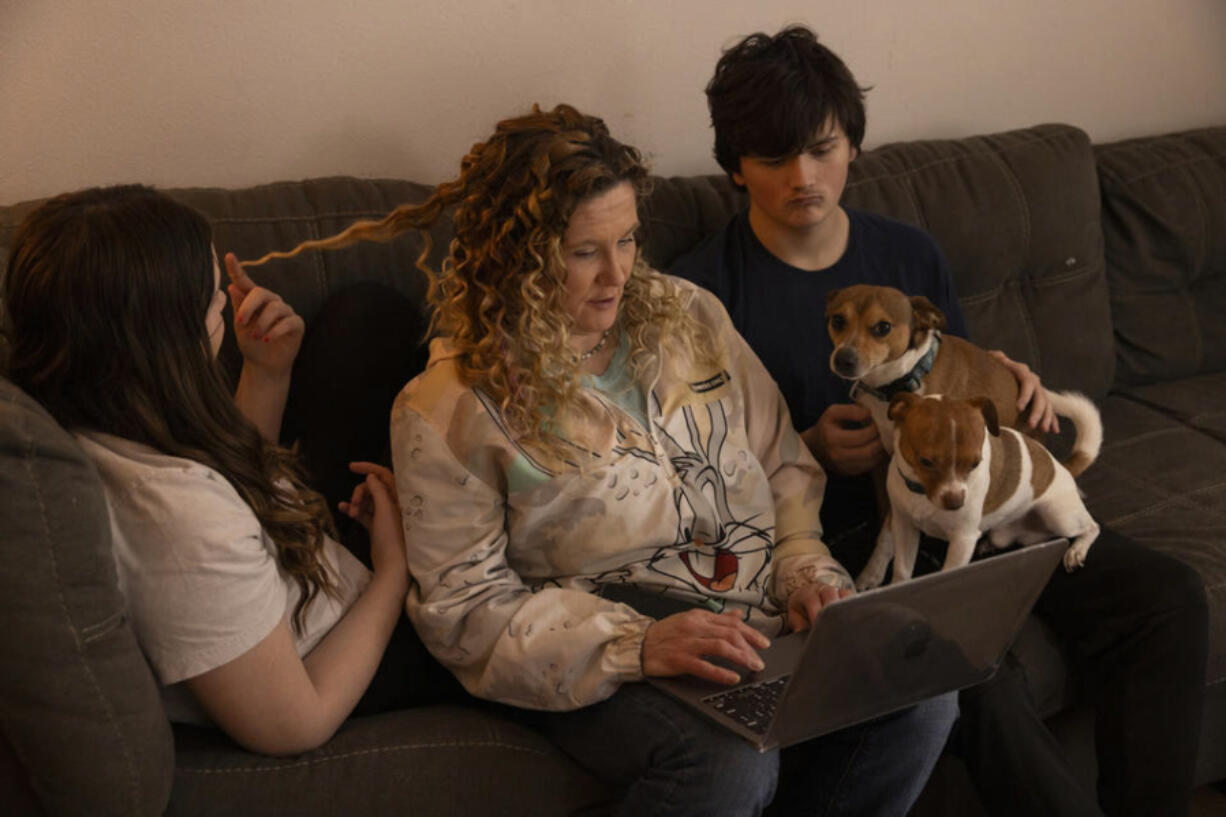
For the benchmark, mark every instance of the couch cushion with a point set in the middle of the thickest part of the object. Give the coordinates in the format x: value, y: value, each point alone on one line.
x: 1199, y: 402
x: 435, y: 760
x: 1164, y: 227
x: 1160, y: 482
x: 78, y: 704
x: 1016, y: 213
x: 254, y: 220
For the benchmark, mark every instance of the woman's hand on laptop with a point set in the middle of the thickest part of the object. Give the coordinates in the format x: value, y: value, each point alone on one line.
x: 807, y: 601
x: 682, y: 643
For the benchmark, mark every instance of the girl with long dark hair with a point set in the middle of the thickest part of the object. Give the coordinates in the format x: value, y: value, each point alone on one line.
x: 249, y: 612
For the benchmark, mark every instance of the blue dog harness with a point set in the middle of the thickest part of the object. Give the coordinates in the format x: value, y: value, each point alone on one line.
x: 909, y: 381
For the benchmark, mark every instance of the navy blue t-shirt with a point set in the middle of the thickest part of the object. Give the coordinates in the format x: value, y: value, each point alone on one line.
x: 781, y: 309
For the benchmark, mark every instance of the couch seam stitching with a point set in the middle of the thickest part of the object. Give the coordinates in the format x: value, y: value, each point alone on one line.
x: 313, y: 217
x: 1168, y: 500
x: 1158, y: 432
x: 93, y: 632
x: 970, y: 154
x: 1016, y: 283
x: 1118, y: 177
x: 1204, y: 227
x: 361, y: 752
x: 915, y: 204
x: 998, y: 291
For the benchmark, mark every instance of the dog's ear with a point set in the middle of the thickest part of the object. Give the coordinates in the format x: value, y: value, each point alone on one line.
x: 900, y: 405
x: 988, y: 409
x: 924, y: 316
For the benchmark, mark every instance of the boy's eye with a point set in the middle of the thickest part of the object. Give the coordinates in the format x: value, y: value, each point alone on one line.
x: 881, y: 329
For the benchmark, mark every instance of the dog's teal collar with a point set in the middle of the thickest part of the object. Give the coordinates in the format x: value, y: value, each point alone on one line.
x: 912, y: 486
x: 908, y: 382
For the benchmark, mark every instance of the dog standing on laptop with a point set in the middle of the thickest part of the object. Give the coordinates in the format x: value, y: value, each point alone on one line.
x: 956, y: 474
x: 890, y: 343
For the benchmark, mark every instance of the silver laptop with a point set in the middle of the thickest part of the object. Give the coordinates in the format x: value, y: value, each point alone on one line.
x: 879, y: 651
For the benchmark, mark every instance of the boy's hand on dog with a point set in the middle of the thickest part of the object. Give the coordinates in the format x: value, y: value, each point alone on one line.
x: 807, y: 601
x: 1030, y: 392
x: 682, y: 642
x: 845, y: 440
x: 267, y: 329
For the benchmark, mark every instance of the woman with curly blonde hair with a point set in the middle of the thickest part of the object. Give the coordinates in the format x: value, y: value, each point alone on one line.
x: 499, y: 296
x: 599, y: 480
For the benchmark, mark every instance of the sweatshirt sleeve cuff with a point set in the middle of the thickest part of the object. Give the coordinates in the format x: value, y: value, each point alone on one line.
x: 808, y: 568
x: 624, y: 656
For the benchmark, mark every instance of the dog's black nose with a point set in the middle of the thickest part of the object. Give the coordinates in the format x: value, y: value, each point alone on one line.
x: 846, y: 362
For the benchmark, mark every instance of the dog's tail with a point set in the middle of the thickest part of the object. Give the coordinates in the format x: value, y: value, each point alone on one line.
x: 1082, y: 411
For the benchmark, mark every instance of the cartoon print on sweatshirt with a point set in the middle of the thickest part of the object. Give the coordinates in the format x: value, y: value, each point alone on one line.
x: 713, y: 552
x: 718, y: 552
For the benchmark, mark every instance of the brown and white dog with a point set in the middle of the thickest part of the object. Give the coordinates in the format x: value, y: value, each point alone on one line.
x: 889, y: 343
x: 956, y: 474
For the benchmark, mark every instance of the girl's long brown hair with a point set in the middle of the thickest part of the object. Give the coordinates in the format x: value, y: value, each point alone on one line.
x: 106, y: 294
x: 499, y: 296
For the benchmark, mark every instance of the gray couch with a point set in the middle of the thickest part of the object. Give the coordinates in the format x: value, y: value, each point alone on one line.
x: 1104, y: 267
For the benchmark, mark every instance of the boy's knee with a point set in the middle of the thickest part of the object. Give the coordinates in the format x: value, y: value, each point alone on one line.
x: 1174, y: 597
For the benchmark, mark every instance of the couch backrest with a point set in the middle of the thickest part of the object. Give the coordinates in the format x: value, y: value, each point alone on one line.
x: 1164, y: 225
x: 1016, y: 213
x: 254, y: 220
x: 79, y: 708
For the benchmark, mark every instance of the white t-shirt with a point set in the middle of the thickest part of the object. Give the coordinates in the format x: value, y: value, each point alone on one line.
x: 199, y: 574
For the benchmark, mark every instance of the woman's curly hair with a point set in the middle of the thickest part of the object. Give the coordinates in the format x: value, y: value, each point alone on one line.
x: 500, y: 294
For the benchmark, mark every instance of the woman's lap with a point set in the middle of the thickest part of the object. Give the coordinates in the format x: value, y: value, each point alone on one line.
x: 672, y: 760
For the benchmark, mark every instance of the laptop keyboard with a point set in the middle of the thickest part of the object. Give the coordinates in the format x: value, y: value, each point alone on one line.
x: 752, y: 705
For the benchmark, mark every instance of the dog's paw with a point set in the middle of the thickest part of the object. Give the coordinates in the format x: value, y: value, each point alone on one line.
x: 869, y: 578
x: 1075, y: 557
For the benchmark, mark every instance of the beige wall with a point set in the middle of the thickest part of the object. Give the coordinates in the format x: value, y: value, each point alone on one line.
x: 235, y: 92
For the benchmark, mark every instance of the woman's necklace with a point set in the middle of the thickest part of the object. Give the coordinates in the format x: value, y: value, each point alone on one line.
x: 595, y: 349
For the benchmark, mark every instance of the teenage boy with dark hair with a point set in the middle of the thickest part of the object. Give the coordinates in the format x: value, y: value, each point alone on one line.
x: 789, y: 119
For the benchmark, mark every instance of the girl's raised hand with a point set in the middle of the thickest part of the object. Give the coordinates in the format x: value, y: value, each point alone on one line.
x: 374, y: 505
x: 268, y: 330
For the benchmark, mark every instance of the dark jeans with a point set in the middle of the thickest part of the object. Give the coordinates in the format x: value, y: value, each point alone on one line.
x: 1135, y: 622
x: 672, y: 761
